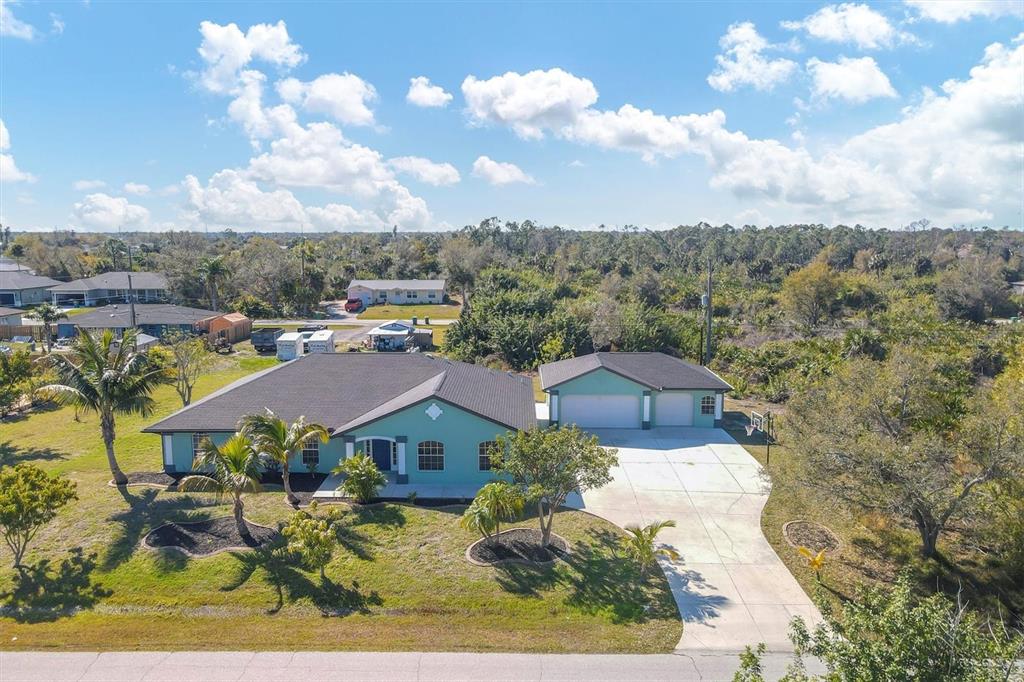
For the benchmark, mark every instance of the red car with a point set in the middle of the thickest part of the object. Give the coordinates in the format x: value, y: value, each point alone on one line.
x: 353, y: 305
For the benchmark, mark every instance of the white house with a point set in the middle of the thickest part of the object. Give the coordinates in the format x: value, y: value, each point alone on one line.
x: 397, y: 291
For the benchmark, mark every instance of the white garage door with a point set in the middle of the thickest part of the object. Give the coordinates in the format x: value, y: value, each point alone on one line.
x: 601, y: 411
x: 673, y: 409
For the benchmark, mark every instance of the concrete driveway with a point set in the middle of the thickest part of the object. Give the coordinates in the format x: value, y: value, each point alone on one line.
x: 730, y: 585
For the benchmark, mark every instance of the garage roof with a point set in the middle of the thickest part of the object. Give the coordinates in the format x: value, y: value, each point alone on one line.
x: 398, y: 283
x: 657, y: 371
x: 113, y: 280
x: 343, y: 391
x: 119, y: 316
x: 16, y: 280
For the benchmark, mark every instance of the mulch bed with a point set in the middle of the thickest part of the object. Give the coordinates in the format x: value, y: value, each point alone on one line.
x: 520, y: 545
x: 811, y: 535
x: 203, y: 538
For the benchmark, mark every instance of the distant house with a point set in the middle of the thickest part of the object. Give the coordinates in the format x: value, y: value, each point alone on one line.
x: 19, y: 288
x: 7, y: 264
x: 397, y: 291
x: 155, y: 319
x: 397, y: 335
x: 10, y: 316
x: 111, y: 287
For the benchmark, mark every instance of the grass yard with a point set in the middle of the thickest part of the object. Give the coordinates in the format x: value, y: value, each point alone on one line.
x: 71, y: 312
x: 399, y: 583
x: 407, y: 312
x: 874, y: 548
x: 295, y: 327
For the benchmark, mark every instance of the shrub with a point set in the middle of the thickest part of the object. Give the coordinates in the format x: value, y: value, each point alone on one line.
x: 362, y: 478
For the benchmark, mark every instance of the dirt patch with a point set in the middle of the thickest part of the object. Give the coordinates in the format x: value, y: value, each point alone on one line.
x: 811, y: 535
x: 519, y: 545
x: 203, y: 538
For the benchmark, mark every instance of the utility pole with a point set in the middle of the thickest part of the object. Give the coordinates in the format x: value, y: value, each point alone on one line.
x: 707, y: 319
x: 131, y: 293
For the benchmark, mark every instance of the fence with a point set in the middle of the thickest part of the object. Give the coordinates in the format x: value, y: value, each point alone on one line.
x: 9, y: 331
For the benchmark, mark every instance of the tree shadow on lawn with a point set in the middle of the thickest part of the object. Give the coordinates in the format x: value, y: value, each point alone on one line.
x: 382, y: 514
x: 281, y: 572
x: 601, y: 580
x: 147, y: 510
x: 44, y: 595
x: 11, y: 454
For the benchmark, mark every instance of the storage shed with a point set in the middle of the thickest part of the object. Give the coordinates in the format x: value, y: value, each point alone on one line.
x: 234, y: 327
x: 290, y: 346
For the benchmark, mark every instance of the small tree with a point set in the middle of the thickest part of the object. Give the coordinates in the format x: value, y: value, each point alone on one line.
x: 47, y: 313
x: 15, y: 371
x: 279, y: 442
x: 362, y: 477
x: 889, y: 634
x: 639, y: 544
x: 191, y: 358
x: 495, y: 502
x: 811, y: 293
x: 312, y: 538
x: 549, y: 464
x: 29, y: 499
x: 233, y: 469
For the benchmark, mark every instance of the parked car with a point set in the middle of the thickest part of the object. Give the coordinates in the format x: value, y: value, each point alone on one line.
x: 264, y: 339
x: 353, y: 305
x: 311, y: 328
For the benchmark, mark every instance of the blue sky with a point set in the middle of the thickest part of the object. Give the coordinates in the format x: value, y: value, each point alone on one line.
x: 265, y: 116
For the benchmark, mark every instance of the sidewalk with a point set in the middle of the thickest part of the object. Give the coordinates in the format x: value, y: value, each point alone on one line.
x: 311, y: 666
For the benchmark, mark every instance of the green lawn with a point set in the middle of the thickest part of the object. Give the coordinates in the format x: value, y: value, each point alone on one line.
x: 294, y: 327
x: 400, y: 583
x: 874, y: 547
x: 78, y: 311
x: 406, y: 312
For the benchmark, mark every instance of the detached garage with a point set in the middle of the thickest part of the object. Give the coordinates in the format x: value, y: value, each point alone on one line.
x: 632, y: 391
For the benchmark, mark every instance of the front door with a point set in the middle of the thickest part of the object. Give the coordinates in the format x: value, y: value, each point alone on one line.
x: 380, y: 451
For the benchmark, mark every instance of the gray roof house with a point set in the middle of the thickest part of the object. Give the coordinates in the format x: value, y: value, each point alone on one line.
x: 11, y: 316
x: 20, y: 288
x: 423, y: 420
x: 397, y: 291
x: 11, y: 264
x: 632, y: 390
x: 155, y: 319
x: 111, y: 287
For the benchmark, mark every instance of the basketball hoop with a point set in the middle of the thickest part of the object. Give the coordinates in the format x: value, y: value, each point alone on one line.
x: 750, y: 429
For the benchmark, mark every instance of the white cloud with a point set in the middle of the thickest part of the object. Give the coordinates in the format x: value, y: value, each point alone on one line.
x: 9, y: 171
x: 169, y: 190
x: 955, y: 156
x: 853, y: 80
x: 744, y: 64
x: 423, y: 94
x: 851, y: 23
x: 86, y: 185
x: 136, y: 188
x: 499, y: 173
x: 231, y: 200
x: 11, y: 26
x: 528, y: 103
x: 56, y: 24
x: 344, y: 97
x: 226, y: 51
x: 425, y: 170
x: 104, y: 212
x: 340, y: 217
x: 952, y: 11
x: 576, y: 163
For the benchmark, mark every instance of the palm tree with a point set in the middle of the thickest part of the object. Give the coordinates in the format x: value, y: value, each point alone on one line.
x: 212, y: 270
x: 47, y: 313
x: 639, y: 544
x: 109, y: 378
x: 275, y: 440
x: 232, y: 469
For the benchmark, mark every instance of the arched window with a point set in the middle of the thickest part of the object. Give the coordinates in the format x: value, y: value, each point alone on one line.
x: 484, y: 451
x: 430, y: 454
x: 707, y: 404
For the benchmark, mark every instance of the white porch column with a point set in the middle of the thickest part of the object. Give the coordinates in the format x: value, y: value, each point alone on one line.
x: 646, y: 421
x: 719, y: 402
x: 350, y: 447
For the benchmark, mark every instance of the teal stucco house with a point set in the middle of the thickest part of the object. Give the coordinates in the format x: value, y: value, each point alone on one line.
x: 424, y: 420
x: 429, y: 421
x: 632, y: 391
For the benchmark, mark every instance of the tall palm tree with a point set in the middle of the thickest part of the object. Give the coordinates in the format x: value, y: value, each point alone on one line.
x: 232, y: 469
x: 109, y: 378
x: 213, y: 270
x: 47, y: 313
x: 276, y: 440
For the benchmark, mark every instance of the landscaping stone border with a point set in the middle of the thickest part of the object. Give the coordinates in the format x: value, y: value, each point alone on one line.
x: 182, y: 550
x: 524, y: 562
